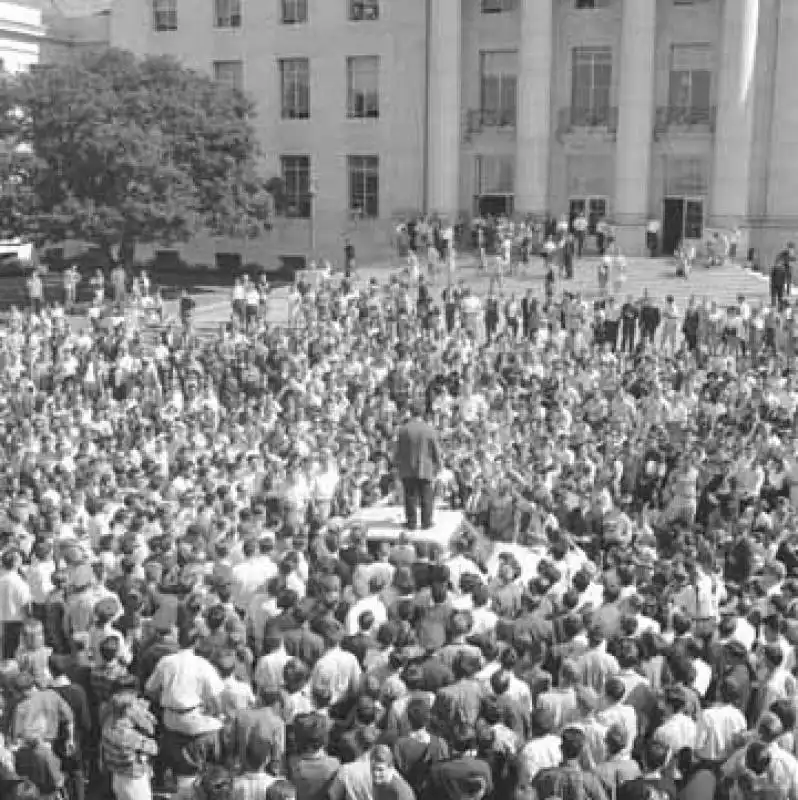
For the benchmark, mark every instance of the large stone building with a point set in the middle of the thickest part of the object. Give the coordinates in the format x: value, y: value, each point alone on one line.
x: 22, y: 33
x: 682, y: 110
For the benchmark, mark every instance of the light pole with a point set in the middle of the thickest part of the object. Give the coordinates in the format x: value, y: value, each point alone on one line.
x: 313, y: 190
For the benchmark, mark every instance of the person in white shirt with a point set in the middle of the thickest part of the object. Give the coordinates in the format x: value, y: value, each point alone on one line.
x: 248, y: 576
x: 324, y: 485
x: 15, y: 601
x: 186, y: 685
x: 543, y: 750
x: 372, y: 603
x: 720, y: 725
x: 337, y: 672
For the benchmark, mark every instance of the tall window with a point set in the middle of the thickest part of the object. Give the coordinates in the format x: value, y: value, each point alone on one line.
x: 296, y: 182
x: 295, y: 12
x: 363, y: 87
x: 364, y: 185
x: 295, y: 87
x: 164, y: 15
x: 498, y: 6
x: 690, y: 86
x: 230, y: 73
x: 495, y: 175
x: 364, y: 10
x: 227, y: 13
x: 591, y: 82
x: 498, y: 82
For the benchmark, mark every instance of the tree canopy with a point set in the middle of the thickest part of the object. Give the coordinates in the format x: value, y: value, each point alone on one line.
x: 117, y: 150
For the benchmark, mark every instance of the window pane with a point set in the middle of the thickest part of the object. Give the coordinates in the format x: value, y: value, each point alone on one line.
x: 296, y: 181
x: 228, y: 13
x: 364, y: 185
x: 164, y: 15
x: 364, y: 10
x: 295, y: 11
x: 490, y: 98
x: 693, y: 219
x: 508, y: 100
x: 701, y: 87
x: 581, y: 92
x: 679, y: 89
x: 230, y: 73
x: 602, y: 76
x: 363, y: 86
x: 295, y: 76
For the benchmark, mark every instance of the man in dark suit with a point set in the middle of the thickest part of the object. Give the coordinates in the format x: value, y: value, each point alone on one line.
x: 418, y: 462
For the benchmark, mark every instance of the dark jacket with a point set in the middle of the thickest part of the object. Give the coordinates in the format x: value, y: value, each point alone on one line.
x: 417, y: 451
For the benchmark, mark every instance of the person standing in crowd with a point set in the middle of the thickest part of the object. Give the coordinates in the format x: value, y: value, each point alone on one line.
x: 119, y: 283
x: 71, y: 280
x: 652, y: 237
x: 35, y: 288
x: 349, y: 258
x: 418, y: 460
x: 15, y: 598
x: 580, y: 226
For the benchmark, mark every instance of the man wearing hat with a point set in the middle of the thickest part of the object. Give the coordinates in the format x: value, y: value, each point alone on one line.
x: 418, y: 461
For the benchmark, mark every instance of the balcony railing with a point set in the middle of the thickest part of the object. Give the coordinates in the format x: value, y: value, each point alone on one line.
x: 574, y: 120
x: 477, y: 120
x: 679, y: 119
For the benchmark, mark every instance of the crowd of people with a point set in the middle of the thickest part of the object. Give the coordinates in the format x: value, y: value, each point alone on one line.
x: 186, y: 607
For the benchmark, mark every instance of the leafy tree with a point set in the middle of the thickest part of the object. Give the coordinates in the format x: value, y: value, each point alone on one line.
x: 126, y: 151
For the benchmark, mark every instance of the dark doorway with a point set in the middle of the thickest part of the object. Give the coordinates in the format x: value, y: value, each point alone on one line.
x: 672, y: 223
x: 495, y: 205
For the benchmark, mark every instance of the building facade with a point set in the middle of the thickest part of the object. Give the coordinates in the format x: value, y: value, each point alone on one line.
x: 679, y: 110
x: 22, y: 34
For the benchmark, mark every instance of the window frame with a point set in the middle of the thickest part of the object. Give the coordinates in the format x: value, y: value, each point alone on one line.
x: 361, y: 169
x: 354, y: 67
x: 297, y: 188
x: 364, y: 10
x: 696, y: 223
x: 593, y: 114
x: 501, y: 116
x: 595, y: 5
x: 286, y: 112
x: 300, y: 14
x: 227, y: 14
x: 691, y: 65
x: 238, y: 80
x: 164, y: 10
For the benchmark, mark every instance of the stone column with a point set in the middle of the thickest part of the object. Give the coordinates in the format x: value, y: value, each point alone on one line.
x: 444, y: 114
x: 782, y: 202
x: 635, y: 123
x: 533, y: 125
x: 734, y: 128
